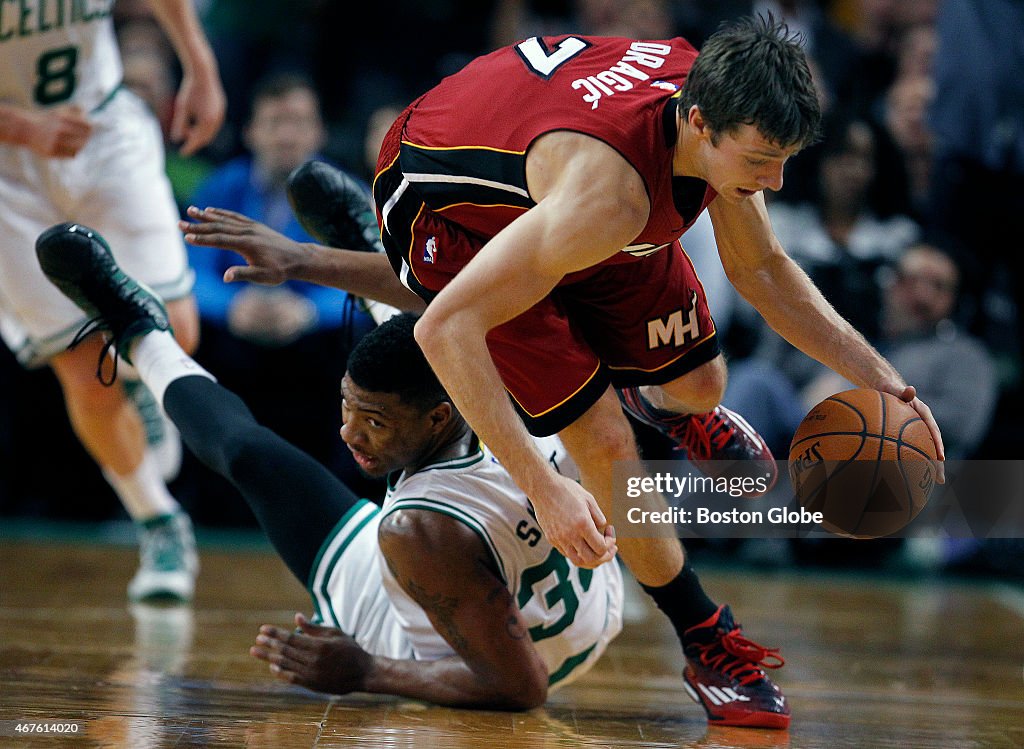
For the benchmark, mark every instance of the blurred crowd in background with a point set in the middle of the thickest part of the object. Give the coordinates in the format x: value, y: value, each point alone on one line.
x: 901, y: 213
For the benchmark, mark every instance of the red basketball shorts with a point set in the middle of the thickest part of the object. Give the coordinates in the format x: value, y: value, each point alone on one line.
x: 645, y: 321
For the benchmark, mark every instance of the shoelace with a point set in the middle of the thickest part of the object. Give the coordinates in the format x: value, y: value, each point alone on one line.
x: 696, y: 434
x: 90, y: 327
x: 739, y: 658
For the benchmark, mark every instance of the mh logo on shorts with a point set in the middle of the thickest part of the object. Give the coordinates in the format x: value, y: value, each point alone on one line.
x: 430, y: 250
x: 672, y: 330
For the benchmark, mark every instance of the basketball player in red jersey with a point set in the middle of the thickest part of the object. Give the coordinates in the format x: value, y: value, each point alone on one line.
x: 535, y: 201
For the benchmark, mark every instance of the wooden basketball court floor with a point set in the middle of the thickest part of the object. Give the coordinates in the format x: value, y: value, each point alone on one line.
x: 870, y: 662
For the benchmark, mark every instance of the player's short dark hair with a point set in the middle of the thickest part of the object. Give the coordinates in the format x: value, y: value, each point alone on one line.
x: 753, y: 71
x: 388, y: 360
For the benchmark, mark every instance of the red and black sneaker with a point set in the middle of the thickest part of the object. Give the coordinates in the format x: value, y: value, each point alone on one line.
x: 725, y: 674
x: 718, y: 443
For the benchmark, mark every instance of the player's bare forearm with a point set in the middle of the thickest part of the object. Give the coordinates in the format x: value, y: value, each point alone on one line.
x: 327, y: 660
x: 365, y: 274
x: 15, y: 125
x: 492, y: 643
x: 787, y: 299
x: 178, y: 20
x: 569, y: 515
x: 448, y: 681
x: 58, y: 132
x: 510, y: 274
x: 794, y: 307
x: 455, y: 346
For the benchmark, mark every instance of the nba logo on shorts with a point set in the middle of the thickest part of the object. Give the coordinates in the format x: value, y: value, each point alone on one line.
x: 430, y: 250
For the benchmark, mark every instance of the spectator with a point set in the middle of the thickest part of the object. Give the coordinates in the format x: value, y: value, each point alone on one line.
x: 284, y: 348
x: 977, y: 117
x: 848, y: 233
x: 953, y: 370
x: 918, y: 333
x: 377, y: 127
x: 252, y: 40
x: 514, y: 20
x: 833, y: 50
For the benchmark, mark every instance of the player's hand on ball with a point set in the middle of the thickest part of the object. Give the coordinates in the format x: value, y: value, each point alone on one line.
x: 323, y: 659
x: 908, y: 394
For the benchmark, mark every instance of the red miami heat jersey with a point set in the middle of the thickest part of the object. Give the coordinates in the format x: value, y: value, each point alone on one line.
x: 464, y: 143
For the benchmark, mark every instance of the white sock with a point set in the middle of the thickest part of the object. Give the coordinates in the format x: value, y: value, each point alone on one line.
x: 143, y: 493
x: 160, y: 361
x: 166, y: 448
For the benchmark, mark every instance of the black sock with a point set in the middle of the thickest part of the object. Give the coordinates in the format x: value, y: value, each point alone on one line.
x: 295, y: 499
x: 683, y: 600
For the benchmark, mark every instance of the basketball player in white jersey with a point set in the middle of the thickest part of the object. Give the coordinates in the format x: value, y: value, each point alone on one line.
x: 449, y: 592
x: 75, y: 144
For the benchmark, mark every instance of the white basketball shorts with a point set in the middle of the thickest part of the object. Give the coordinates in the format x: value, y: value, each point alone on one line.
x: 116, y: 185
x: 348, y: 590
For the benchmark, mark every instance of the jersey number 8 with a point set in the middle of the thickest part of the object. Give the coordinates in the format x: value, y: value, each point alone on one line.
x: 56, y: 77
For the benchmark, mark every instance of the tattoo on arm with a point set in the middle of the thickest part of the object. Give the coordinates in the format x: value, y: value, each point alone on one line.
x: 442, y: 609
x: 497, y: 593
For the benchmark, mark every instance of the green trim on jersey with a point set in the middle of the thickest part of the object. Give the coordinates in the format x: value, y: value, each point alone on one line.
x: 443, y: 508
x: 452, y: 464
x: 569, y: 665
x: 108, y: 98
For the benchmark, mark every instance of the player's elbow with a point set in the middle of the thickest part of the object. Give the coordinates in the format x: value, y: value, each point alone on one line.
x: 518, y: 681
x: 448, y: 320
x: 525, y: 693
x: 530, y: 699
x: 429, y: 331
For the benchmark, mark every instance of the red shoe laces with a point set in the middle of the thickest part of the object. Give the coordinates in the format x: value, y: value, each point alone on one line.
x: 696, y: 434
x: 739, y: 658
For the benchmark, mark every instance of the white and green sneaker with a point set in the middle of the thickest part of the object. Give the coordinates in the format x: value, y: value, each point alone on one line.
x: 168, y: 560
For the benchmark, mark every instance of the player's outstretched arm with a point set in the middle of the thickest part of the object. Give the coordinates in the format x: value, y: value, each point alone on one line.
x: 447, y: 570
x: 795, y: 308
x: 274, y: 258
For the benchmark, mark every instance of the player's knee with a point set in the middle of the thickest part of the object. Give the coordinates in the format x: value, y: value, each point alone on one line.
x: 609, y: 438
x: 702, y: 389
x: 76, y: 372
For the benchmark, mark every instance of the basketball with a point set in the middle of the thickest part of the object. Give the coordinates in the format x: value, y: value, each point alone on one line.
x: 864, y: 459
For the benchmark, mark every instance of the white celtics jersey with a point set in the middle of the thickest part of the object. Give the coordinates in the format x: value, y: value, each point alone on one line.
x: 58, y: 52
x: 572, y: 613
